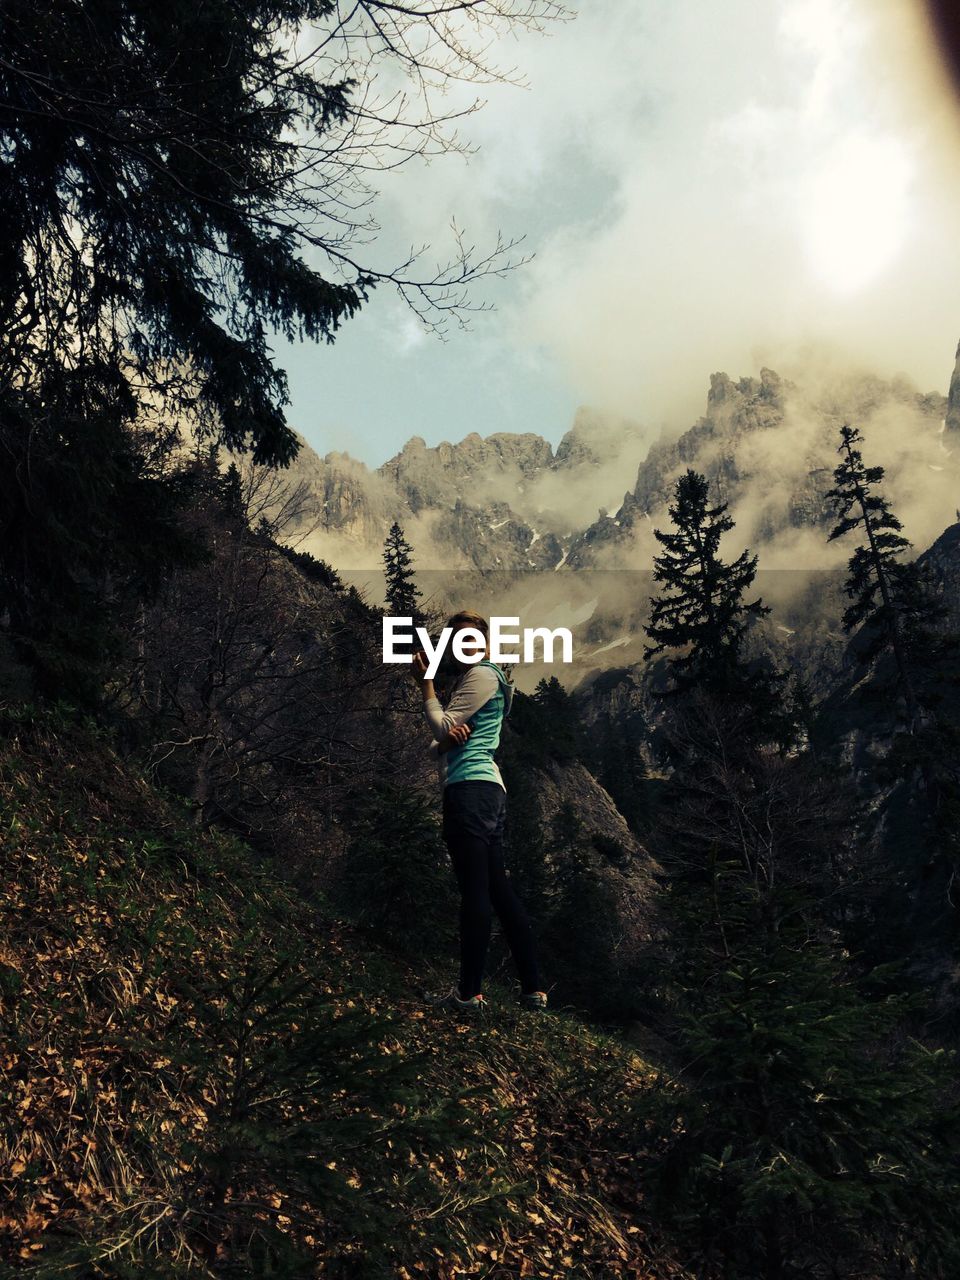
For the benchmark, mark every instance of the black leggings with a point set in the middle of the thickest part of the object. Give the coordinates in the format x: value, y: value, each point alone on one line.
x: 473, y: 819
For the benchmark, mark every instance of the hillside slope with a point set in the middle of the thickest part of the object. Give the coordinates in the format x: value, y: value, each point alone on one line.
x: 206, y: 1075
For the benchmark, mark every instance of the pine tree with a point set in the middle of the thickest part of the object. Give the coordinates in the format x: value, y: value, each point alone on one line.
x: 807, y: 1130
x: 891, y: 600
x: 189, y: 202
x: 180, y: 183
x: 87, y: 519
x: 231, y: 492
x: 396, y: 878
x: 803, y: 1129
x: 702, y: 617
x: 308, y: 564
x: 895, y: 606
x: 561, y: 720
x: 403, y: 595
x: 620, y: 766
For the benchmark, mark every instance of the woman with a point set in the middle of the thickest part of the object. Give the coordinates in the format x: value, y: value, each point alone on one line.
x: 466, y: 733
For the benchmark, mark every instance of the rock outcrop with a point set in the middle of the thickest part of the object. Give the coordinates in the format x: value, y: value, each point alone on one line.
x: 952, y: 416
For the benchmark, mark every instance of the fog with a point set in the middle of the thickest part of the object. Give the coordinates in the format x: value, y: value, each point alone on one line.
x: 764, y: 183
x: 795, y: 185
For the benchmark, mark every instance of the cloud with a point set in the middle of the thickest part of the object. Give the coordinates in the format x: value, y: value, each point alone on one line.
x: 777, y: 477
x: 795, y: 181
x: 543, y: 153
x: 708, y: 187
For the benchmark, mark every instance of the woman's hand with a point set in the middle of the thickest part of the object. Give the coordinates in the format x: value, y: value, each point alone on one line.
x: 456, y: 737
x: 420, y: 665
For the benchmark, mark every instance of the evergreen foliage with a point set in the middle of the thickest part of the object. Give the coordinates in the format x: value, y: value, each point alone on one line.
x: 180, y: 183
x: 702, y: 614
x: 403, y: 595
x: 898, y: 615
x: 311, y: 567
x: 87, y: 518
x: 559, y: 720
x: 802, y: 1142
x: 893, y: 602
x: 803, y: 1130
x: 620, y: 766
x: 396, y: 877
x: 702, y: 618
x: 231, y: 492
x: 546, y: 725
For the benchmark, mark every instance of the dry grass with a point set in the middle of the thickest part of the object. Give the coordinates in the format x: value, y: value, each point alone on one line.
x: 155, y: 986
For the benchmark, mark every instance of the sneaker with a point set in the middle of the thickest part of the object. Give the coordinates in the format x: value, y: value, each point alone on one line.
x: 451, y: 1000
x: 533, y: 999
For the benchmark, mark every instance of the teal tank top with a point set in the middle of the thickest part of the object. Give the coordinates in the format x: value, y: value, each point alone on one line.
x: 474, y: 760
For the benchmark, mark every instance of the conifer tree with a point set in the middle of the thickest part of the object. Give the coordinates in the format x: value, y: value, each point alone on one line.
x: 396, y: 879
x: 403, y: 594
x: 231, y: 492
x: 805, y: 1129
x: 801, y: 1135
x: 181, y: 182
x: 561, y: 719
x: 621, y: 768
x: 891, y: 600
x: 895, y: 605
x: 702, y: 617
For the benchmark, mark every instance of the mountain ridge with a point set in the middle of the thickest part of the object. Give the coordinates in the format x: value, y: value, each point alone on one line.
x: 510, y: 501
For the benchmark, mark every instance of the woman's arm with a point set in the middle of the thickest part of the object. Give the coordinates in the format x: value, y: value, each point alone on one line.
x: 473, y: 691
x: 455, y: 738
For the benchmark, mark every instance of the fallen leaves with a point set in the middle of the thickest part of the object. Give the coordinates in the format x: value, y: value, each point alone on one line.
x: 103, y: 947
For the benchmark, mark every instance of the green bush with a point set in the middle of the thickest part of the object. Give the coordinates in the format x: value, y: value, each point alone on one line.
x: 805, y: 1139
x: 396, y: 877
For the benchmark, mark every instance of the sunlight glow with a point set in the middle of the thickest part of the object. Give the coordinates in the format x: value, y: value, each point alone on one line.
x: 855, y: 218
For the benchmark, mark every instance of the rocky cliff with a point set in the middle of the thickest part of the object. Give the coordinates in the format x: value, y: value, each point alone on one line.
x: 512, y: 502
x: 492, y: 518
x: 769, y: 447
x: 501, y: 501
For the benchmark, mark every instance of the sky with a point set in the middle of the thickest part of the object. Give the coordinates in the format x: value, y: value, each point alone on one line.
x: 703, y: 187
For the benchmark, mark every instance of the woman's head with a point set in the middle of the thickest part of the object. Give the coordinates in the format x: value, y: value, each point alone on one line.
x: 467, y: 620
